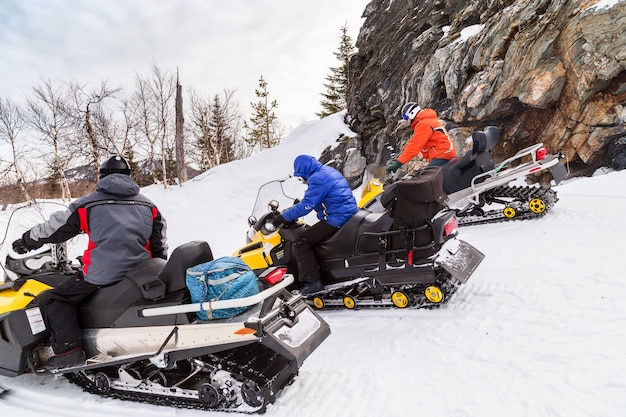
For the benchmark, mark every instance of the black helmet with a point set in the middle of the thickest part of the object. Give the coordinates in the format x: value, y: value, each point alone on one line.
x: 115, y: 165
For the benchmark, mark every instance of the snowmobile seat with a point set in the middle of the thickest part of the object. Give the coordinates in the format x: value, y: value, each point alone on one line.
x: 151, y: 280
x: 357, y: 237
x: 368, y: 236
x: 341, y: 243
x: 458, y: 173
x: 356, y: 243
x: 106, y: 304
x: 488, y: 139
x: 183, y: 257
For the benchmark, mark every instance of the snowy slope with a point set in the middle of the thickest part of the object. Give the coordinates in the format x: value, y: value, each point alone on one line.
x: 539, y: 329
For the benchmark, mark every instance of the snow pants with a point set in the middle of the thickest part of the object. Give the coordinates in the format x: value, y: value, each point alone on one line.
x: 308, y: 267
x: 59, y: 310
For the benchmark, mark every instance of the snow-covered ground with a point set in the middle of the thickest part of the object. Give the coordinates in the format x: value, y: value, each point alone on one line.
x: 539, y: 330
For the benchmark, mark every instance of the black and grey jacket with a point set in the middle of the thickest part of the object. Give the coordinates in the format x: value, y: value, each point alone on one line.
x: 124, y: 228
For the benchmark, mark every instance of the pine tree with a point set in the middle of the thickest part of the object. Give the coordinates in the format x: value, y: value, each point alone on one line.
x: 335, y: 97
x: 221, y: 132
x: 53, y: 179
x: 264, y: 131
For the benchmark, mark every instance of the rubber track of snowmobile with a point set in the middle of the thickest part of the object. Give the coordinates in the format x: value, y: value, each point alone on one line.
x: 417, y: 298
x: 252, y: 362
x: 517, y: 193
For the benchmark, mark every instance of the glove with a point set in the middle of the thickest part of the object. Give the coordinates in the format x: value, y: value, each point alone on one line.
x: 25, y: 243
x: 278, y: 220
x: 393, y: 167
x: 20, y: 246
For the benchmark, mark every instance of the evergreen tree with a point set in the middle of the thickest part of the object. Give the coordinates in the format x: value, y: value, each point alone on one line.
x: 171, y: 167
x: 215, y: 126
x: 221, y: 132
x: 264, y: 131
x: 136, y: 173
x: 53, y: 180
x: 335, y: 97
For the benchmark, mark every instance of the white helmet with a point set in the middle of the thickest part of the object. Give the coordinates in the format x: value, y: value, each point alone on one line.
x: 410, y: 110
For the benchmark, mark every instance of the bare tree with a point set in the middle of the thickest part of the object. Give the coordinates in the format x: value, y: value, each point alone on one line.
x: 128, y: 126
x: 12, y: 124
x: 163, y: 90
x: 146, y: 124
x: 181, y: 167
x: 92, y: 122
x: 153, y: 100
x: 47, y: 113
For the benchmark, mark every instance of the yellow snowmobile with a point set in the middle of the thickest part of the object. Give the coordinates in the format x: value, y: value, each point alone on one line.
x: 407, y: 255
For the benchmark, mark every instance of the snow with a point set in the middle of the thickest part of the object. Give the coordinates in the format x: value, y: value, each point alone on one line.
x: 603, y: 4
x: 466, y: 33
x: 538, y: 330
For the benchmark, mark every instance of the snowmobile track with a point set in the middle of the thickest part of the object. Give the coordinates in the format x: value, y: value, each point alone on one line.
x: 263, y: 371
x: 416, y: 297
x: 520, y: 197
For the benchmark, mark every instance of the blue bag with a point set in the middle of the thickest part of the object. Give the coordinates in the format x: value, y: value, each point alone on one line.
x: 223, y: 278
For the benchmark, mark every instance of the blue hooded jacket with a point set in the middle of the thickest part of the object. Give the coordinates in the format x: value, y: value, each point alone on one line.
x: 328, y: 193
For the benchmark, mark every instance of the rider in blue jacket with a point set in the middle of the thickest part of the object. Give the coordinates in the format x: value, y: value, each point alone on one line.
x: 329, y: 194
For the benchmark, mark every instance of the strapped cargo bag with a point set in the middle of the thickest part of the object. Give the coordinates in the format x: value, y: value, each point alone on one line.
x: 223, y: 278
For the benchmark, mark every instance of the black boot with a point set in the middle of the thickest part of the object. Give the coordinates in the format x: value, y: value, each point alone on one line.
x: 67, y: 359
x: 312, y: 285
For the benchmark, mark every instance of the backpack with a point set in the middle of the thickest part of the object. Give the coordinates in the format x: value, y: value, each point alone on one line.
x: 223, y: 278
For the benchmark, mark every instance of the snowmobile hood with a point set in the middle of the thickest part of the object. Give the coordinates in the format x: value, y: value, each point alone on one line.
x: 305, y: 165
x: 118, y: 184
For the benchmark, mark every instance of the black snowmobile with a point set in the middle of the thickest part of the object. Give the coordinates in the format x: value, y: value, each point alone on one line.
x: 145, y: 343
x: 481, y: 191
x: 405, y: 256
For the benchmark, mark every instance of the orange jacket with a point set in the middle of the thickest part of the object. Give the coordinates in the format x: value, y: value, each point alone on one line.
x: 426, y: 140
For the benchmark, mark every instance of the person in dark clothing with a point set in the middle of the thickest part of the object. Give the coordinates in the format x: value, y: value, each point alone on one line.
x: 124, y: 228
x: 329, y: 194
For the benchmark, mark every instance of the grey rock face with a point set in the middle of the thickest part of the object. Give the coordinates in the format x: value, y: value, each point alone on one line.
x: 540, y: 70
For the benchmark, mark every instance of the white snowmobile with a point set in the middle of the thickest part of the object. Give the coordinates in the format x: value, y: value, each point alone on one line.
x: 144, y: 340
x: 481, y: 191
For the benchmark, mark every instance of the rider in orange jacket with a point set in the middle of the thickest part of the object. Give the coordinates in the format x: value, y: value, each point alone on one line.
x: 429, y: 138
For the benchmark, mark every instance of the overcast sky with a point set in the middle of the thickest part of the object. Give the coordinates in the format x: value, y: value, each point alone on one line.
x: 215, y: 45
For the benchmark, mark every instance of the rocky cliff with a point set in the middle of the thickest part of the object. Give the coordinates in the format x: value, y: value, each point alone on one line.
x: 551, y: 71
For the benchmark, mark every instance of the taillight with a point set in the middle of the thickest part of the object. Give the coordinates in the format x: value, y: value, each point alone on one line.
x: 275, y: 276
x: 541, y: 153
x: 450, y: 228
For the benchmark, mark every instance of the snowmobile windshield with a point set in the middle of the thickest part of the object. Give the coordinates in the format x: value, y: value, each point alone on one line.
x: 19, y: 219
x: 285, y: 192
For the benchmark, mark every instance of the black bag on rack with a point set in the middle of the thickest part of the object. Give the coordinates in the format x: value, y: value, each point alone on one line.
x: 412, y: 203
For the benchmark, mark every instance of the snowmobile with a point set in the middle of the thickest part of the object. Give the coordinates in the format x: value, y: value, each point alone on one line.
x: 408, y: 255
x: 481, y: 191
x: 145, y: 342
